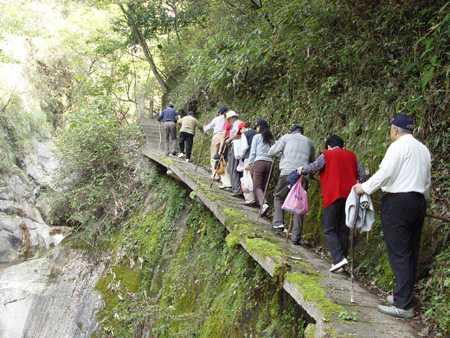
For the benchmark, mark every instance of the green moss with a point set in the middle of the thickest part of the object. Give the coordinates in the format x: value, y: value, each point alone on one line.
x: 310, y: 331
x: 263, y: 247
x: 191, y: 283
x: 167, y: 161
x: 312, y: 291
x: 233, y: 239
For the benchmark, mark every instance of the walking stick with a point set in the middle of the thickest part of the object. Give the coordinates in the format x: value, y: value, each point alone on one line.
x: 265, y: 190
x: 352, y: 247
x: 160, y: 136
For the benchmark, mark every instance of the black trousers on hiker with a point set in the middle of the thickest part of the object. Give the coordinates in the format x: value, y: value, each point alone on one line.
x: 335, y: 231
x: 402, y: 216
x: 186, y: 142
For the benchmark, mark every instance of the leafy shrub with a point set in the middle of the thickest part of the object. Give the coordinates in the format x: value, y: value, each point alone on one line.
x: 99, y: 155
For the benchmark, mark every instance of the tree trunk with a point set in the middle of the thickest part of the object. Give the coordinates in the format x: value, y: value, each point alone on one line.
x: 148, y: 55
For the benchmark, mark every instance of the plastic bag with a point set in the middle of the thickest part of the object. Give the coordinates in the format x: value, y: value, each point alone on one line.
x: 240, y: 167
x: 247, y: 182
x: 240, y: 147
x: 297, y: 199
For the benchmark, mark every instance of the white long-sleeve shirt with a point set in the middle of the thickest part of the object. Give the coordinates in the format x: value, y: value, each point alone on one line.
x: 406, y: 167
x: 217, y: 124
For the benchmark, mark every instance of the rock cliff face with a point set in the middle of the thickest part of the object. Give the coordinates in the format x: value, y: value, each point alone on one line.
x: 45, y: 291
x: 52, y: 296
x: 23, y: 230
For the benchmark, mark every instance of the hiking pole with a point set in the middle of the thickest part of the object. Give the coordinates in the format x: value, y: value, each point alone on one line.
x: 160, y: 135
x: 352, y: 247
x: 265, y: 191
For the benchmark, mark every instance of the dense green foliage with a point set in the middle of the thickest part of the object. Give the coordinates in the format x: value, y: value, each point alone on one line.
x: 173, y: 275
x: 334, y: 66
x: 99, y: 157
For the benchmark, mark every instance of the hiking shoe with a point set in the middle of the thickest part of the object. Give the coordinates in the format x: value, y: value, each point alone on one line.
x: 249, y: 202
x: 264, y: 209
x: 236, y: 194
x: 336, y: 266
x: 180, y: 155
x: 279, y: 227
x: 224, y: 186
x: 396, y: 312
x: 390, y: 299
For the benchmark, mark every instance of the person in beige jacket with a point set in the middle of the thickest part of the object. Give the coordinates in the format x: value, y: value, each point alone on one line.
x: 189, y: 124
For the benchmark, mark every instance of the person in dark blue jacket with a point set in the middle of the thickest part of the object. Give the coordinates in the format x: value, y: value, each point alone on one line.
x: 169, y: 117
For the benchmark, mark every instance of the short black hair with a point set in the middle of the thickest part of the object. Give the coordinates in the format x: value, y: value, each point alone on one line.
x: 171, y: 105
x: 223, y: 110
x: 334, y: 141
x: 297, y: 127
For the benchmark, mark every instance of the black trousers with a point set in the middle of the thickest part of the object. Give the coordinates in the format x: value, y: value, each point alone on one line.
x: 335, y: 231
x: 402, y: 217
x: 186, y: 141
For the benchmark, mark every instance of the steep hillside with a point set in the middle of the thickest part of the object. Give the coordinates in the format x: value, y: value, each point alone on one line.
x: 335, y: 67
x: 172, y: 274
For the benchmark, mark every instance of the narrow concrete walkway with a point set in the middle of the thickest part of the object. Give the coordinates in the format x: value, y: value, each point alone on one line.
x: 324, y: 296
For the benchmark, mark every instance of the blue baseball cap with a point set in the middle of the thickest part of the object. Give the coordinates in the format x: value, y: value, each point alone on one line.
x: 403, y: 121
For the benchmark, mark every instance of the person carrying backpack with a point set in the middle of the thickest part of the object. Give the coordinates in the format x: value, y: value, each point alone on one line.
x: 296, y: 150
x: 189, y: 124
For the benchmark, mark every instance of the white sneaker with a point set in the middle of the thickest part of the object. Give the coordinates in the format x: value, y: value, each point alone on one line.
x: 396, y: 312
x: 390, y: 299
x: 250, y: 202
x: 278, y: 227
x: 264, y: 209
x: 336, y: 266
x: 187, y: 160
x: 180, y: 155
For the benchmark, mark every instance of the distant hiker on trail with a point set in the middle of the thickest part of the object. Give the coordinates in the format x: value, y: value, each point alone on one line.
x: 168, y: 117
x: 187, y: 131
x: 233, y: 128
x: 339, y: 172
x: 260, y: 162
x: 405, y: 178
x: 296, y: 151
x: 217, y: 125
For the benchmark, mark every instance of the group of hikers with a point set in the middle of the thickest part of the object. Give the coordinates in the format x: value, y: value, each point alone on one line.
x: 243, y: 157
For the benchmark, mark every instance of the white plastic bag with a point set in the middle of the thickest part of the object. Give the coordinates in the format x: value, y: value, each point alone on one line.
x: 240, y: 147
x: 247, y: 182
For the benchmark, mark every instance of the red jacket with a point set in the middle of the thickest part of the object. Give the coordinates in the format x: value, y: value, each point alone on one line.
x: 338, y: 176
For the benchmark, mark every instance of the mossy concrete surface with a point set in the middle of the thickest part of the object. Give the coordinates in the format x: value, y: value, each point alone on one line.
x: 324, y: 296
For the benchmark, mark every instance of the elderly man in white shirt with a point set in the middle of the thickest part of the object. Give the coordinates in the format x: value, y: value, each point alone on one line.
x: 217, y: 125
x: 405, y: 178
